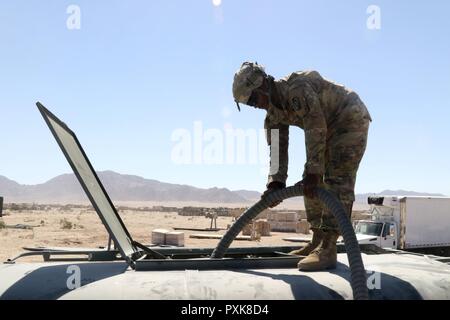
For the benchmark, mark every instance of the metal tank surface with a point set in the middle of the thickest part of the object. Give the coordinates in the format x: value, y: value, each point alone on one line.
x: 135, y: 271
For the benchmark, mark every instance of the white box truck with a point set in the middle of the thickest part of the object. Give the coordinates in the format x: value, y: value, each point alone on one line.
x: 409, y: 223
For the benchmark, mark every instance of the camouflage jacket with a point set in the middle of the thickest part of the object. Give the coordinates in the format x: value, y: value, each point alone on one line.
x: 318, y: 106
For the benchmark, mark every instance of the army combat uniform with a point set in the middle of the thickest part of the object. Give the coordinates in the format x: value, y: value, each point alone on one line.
x: 335, y: 122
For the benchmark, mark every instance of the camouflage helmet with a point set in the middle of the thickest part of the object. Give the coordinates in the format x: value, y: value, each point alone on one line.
x: 248, y: 78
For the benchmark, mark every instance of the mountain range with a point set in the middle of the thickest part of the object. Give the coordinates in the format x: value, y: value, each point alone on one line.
x: 122, y: 187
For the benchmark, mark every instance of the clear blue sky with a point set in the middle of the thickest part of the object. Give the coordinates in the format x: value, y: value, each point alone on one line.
x: 137, y: 70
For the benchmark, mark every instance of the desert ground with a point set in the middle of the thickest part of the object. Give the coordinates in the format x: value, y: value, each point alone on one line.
x: 82, y: 228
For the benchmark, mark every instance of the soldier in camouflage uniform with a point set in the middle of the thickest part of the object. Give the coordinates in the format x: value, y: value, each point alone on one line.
x: 336, y: 124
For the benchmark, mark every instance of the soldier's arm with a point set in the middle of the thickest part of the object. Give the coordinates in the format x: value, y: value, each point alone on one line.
x: 278, y: 139
x: 307, y: 103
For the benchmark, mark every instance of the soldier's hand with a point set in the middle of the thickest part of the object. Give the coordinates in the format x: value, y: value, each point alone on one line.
x: 310, y: 182
x: 274, y: 185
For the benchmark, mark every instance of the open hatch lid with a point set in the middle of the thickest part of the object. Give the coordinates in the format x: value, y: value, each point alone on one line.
x: 92, y: 185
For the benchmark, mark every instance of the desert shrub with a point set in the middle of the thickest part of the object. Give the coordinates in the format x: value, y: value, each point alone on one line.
x: 65, y: 224
x: 18, y: 207
x: 2, y: 224
x: 66, y: 208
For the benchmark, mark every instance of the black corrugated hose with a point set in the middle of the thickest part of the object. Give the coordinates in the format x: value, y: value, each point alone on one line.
x: 358, y: 273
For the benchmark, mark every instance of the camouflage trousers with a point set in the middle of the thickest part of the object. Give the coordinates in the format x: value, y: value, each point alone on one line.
x: 343, y: 155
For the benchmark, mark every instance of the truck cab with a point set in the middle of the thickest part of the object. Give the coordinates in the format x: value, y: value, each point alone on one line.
x: 382, y: 228
x: 382, y: 234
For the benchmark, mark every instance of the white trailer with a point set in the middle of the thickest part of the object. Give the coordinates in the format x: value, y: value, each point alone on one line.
x: 407, y: 223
